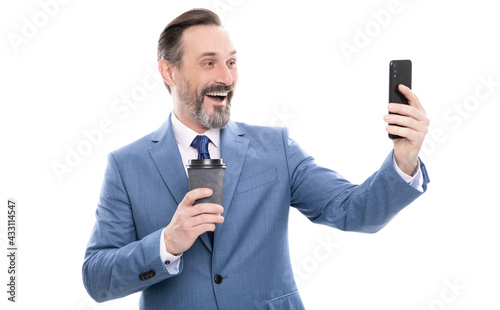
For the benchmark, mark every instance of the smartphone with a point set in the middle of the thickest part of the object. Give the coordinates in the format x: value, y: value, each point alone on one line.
x: 399, y: 73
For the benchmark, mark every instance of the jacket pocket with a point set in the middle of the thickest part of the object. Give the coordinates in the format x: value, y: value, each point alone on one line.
x: 256, y: 180
x: 289, y: 301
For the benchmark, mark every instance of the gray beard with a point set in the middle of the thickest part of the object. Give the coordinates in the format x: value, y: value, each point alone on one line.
x: 218, y: 119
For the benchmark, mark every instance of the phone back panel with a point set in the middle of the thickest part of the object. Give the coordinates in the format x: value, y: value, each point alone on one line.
x: 399, y: 73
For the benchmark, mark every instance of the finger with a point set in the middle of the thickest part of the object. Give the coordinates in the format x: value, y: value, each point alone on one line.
x: 411, y: 135
x: 206, y: 208
x: 404, y: 121
x: 412, y: 98
x: 190, y: 224
x: 196, y: 194
x: 204, y: 228
x: 206, y: 219
x: 398, y: 131
x: 407, y: 110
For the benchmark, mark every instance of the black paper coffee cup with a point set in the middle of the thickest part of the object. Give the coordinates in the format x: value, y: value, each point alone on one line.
x: 207, y: 173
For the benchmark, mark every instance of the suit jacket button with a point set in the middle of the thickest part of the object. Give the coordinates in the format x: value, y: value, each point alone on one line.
x: 147, y: 275
x: 218, y: 279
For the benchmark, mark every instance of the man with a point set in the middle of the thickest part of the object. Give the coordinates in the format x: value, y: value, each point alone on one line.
x: 150, y: 237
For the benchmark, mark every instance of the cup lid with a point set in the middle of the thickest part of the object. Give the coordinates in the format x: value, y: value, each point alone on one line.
x: 206, y: 163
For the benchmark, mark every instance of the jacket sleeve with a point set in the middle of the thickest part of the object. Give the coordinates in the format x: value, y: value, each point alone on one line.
x: 116, y: 263
x: 325, y: 197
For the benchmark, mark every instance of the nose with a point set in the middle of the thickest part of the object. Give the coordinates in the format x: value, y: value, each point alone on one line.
x: 224, y: 75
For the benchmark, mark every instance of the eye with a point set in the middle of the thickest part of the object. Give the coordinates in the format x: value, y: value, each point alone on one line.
x: 208, y: 63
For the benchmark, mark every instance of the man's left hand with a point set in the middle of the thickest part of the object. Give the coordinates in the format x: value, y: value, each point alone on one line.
x: 415, y: 126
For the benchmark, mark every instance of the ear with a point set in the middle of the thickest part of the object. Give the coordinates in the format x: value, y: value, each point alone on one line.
x: 167, y: 72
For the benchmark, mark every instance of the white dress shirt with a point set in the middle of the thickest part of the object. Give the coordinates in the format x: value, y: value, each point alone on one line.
x: 185, y: 136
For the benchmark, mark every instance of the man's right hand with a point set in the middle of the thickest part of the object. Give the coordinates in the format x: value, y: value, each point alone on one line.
x: 190, y: 221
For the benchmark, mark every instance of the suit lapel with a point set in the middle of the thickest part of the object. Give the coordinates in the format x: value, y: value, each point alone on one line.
x: 233, y: 151
x: 168, y: 161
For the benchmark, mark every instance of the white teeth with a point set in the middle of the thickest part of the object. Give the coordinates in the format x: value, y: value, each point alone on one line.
x: 217, y: 94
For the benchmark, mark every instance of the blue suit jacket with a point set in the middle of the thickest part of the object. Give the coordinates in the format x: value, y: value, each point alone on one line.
x: 266, y: 173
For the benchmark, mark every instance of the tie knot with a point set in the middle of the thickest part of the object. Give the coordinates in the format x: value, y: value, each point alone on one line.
x: 201, y: 144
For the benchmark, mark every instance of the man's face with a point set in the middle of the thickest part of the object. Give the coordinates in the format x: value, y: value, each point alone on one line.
x: 207, y: 77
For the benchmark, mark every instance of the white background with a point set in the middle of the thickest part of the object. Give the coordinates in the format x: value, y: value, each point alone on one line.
x: 65, y: 66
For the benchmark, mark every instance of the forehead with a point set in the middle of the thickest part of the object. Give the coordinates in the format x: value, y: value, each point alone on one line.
x: 202, y: 39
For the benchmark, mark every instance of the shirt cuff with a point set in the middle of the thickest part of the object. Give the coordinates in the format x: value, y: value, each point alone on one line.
x: 415, y: 181
x: 171, y: 262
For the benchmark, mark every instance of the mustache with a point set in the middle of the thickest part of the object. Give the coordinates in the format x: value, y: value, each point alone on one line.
x: 217, y: 88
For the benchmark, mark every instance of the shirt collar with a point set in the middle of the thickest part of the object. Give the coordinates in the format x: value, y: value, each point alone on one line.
x: 185, y: 135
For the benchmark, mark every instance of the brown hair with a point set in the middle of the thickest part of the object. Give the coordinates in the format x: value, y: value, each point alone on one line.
x: 170, y: 44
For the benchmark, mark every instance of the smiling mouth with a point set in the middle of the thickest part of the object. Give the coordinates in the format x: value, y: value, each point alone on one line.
x: 217, y: 96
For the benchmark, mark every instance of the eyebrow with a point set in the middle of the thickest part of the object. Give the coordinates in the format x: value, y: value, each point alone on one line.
x: 214, y: 54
